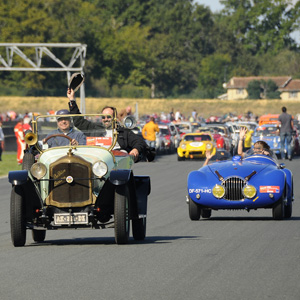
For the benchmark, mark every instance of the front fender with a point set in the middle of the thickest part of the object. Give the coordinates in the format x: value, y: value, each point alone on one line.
x: 18, y: 177
x: 201, y: 181
x: 142, y: 190
x: 119, y: 177
x: 289, y: 182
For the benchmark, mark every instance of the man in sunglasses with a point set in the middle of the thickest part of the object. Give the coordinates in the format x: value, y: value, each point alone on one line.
x: 126, y: 140
x: 107, y: 120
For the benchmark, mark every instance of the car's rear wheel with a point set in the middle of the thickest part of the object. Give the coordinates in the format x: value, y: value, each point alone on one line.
x: 194, y: 210
x: 121, y: 214
x: 139, y: 228
x: 17, y: 217
x: 278, y: 210
x: 289, y: 207
x: 205, y: 213
x: 38, y: 235
x: 288, y: 210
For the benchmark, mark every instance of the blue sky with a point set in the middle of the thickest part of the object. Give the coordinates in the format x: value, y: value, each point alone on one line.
x: 213, y: 4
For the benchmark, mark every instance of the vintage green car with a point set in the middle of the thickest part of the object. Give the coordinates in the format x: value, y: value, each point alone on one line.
x: 65, y: 186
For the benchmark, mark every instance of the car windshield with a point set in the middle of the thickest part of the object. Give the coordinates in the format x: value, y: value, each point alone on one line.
x: 183, y: 127
x: 251, y: 126
x: 197, y: 138
x: 219, y: 130
x: 266, y: 131
x: 164, y: 131
x: 250, y: 153
x: 85, y: 129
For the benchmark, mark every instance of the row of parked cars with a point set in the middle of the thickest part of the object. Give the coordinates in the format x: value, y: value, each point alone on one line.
x: 185, y: 137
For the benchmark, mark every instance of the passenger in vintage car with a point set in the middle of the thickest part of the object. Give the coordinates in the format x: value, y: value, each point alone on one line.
x: 64, y: 127
x: 126, y: 140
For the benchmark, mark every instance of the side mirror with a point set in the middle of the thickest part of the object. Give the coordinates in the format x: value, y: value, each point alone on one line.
x: 76, y: 81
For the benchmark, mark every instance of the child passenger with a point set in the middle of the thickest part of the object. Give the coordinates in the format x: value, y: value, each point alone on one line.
x: 260, y: 147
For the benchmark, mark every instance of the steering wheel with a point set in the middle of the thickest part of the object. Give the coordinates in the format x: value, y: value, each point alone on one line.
x: 55, y: 135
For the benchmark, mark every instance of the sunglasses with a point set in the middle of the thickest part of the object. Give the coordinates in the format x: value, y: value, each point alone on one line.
x: 106, y: 117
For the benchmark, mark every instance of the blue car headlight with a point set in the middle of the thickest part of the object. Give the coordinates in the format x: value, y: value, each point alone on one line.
x: 249, y: 191
x: 218, y: 191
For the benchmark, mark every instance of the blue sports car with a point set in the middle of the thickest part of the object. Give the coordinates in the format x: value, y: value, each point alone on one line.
x: 257, y: 181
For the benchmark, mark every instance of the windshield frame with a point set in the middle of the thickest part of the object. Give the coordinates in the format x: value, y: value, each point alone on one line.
x: 35, y: 129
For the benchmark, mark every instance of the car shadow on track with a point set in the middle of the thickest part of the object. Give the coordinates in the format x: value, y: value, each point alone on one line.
x: 248, y: 219
x: 110, y: 241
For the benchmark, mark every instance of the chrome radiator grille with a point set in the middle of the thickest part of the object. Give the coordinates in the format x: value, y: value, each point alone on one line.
x: 233, y: 188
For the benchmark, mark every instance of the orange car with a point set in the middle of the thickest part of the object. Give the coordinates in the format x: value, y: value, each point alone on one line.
x: 268, y: 119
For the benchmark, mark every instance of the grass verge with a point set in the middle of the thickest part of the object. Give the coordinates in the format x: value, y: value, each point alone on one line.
x: 8, y: 163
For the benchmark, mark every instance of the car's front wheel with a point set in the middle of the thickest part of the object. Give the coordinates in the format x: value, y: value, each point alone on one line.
x: 17, y: 217
x: 121, y: 214
x: 28, y: 161
x: 194, y: 210
x: 179, y: 158
x: 278, y: 210
x: 38, y: 235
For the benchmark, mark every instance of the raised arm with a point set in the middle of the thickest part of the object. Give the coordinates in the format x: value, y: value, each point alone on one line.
x: 243, y: 132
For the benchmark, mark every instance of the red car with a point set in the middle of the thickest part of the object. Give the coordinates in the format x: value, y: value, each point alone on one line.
x: 220, y: 134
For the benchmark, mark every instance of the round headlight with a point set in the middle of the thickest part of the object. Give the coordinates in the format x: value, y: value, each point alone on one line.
x: 38, y: 170
x: 100, y: 168
x: 183, y: 146
x: 208, y: 146
x: 249, y: 191
x: 218, y: 191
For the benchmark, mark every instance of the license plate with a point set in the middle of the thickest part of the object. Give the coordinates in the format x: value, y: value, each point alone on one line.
x: 71, y: 219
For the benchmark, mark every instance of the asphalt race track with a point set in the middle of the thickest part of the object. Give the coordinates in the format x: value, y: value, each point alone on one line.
x: 233, y: 255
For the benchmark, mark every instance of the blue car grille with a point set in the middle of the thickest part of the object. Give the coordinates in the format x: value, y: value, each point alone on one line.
x: 233, y: 188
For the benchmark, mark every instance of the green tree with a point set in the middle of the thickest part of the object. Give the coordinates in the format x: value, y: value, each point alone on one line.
x: 263, y: 26
x: 211, y: 76
x: 254, y: 89
x: 271, y: 90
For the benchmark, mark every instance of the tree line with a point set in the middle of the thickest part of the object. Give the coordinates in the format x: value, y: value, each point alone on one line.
x: 153, y: 48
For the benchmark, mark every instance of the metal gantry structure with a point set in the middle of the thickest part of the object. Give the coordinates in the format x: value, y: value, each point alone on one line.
x: 42, y: 49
